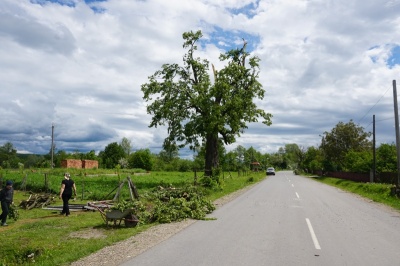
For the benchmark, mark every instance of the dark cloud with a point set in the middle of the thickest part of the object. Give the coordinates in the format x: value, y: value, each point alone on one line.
x: 54, y: 38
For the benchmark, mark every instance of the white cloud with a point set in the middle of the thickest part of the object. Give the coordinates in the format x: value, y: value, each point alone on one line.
x: 322, y: 62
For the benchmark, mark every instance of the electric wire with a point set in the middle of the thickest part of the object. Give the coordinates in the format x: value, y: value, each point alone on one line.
x: 359, y: 121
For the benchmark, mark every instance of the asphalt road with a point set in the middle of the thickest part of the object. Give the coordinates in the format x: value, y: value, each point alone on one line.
x: 286, y: 220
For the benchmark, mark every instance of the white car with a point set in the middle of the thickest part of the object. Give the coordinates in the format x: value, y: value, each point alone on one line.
x: 270, y: 171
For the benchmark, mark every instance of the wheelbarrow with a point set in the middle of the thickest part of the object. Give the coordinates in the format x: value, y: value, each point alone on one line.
x: 115, y: 217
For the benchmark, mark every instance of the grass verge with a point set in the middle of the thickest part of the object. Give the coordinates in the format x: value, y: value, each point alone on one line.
x: 374, y: 191
x: 44, y: 237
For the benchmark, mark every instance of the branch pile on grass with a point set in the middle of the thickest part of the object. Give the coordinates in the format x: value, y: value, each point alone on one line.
x: 166, y: 205
x: 37, y: 201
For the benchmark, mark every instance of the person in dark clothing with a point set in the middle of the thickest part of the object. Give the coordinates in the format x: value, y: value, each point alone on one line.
x: 6, y: 198
x: 67, y: 186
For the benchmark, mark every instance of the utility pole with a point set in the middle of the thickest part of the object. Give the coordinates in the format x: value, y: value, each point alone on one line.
x: 52, y: 145
x: 374, y: 150
x: 396, y: 123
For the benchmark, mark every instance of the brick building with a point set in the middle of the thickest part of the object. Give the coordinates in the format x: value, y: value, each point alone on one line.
x: 79, y: 164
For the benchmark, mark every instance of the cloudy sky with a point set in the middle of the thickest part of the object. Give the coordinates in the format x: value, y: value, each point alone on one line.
x: 79, y: 65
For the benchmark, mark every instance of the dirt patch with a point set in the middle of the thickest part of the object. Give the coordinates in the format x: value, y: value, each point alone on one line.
x: 88, y: 234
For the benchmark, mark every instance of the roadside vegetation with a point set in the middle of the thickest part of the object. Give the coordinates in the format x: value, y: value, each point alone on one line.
x: 376, y: 192
x: 44, y: 237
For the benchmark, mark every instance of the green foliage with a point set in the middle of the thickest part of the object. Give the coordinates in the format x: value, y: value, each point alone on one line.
x: 169, y: 153
x: 8, y: 156
x: 126, y: 145
x: 141, y: 159
x: 185, y: 166
x: 210, y: 182
x: 313, y: 159
x: 294, y: 155
x: 165, y: 205
x: 386, y: 158
x: 174, y: 204
x: 112, y: 154
x: 194, y: 109
x: 342, y: 139
x: 139, y: 209
x: 360, y: 162
x: 13, y: 212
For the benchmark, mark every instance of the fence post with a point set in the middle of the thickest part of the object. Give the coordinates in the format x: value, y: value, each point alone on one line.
x: 83, y: 188
x: 46, y: 187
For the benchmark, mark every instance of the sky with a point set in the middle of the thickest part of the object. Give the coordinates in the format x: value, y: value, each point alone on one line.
x: 79, y: 66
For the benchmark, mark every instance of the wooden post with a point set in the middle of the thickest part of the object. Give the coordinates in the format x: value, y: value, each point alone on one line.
x: 23, y: 184
x: 45, y: 182
x: 133, y: 188
x: 117, y: 195
x: 83, y: 188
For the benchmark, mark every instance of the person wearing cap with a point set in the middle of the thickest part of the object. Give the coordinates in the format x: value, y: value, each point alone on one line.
x: 67, y: 185
x: 6, y: 198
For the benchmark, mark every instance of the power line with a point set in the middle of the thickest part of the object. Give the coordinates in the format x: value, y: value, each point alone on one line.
x: 373, y: 106
x: 376, y: 121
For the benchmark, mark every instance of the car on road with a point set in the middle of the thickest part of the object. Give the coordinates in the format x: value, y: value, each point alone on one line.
x: 270, y: 171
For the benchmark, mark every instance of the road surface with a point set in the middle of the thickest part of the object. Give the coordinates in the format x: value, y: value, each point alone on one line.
x: 286, y: 220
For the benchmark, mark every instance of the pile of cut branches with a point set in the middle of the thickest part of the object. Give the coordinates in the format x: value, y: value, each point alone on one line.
x: 165, y: 205
x: 37, y: 201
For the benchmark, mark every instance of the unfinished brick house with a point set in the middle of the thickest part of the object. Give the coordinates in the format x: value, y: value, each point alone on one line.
x: 79, y: 164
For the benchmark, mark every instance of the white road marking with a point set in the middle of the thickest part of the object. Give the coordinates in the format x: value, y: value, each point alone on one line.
x: 297, y: 195
x: 313, y: 236
x: 292, y: 185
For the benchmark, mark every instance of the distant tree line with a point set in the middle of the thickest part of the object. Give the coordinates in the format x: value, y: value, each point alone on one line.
x: 345, y: 148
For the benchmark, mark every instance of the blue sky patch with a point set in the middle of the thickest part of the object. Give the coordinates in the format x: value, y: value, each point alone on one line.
x: 373, y: 58
x: 227, y: 40
x: 72, y: 3
x: 247, y: 10
x: 394, y: 58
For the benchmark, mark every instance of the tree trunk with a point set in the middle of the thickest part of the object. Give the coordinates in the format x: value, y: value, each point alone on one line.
x: 212, y: 156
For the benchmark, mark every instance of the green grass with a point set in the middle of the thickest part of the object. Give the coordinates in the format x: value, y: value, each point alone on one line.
x: 58, y: 240
x: 377, y: 192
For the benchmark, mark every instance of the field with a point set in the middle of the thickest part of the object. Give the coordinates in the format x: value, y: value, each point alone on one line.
x: 47, y: 238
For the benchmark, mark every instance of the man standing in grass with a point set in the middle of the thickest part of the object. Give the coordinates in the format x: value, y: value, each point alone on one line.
x: 6, y: 198
x: 67, y: 185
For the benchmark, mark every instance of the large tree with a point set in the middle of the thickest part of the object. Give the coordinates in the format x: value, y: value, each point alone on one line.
x: 126, y: 145
x: 343, y: 138
x: 112, y: 154
x: 313, y: 160
x: 294, y: 154
x: 141, y: 159
x: 8, y: 156
x: 198, y: 110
